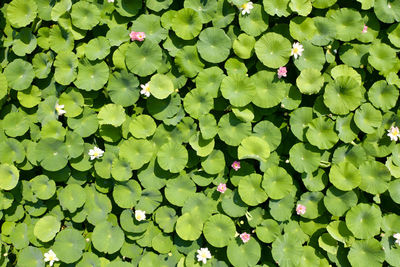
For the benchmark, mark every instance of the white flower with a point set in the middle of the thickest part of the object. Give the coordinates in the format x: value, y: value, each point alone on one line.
x: 51, y: 257
x: 95, y: 153
x: 203, y: 255
x: 111, y: 1
x: 246, y: 7
x: 397, y: 237
x: 60, y: 109
x: 140, y: 215
x: 145, y: 89
x: 393, y: 133
x: 297, y: 50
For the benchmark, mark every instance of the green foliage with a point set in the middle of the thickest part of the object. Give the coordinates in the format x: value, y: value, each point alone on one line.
x: 134, y: 133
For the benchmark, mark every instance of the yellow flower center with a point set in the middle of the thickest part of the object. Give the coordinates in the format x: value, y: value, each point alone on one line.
x: 51, y: 258
x: 96, y: 154
x: 244, y: 6
x: 295, y: 50
x: 395, y: 132
x: 203, y: 254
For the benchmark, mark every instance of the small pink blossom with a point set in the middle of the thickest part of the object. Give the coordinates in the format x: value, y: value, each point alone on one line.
x: 236, y: 165
x: 365, y: 29
x: 300, y: 209
x: 282, y: 71
x: 137, y: 36
x: 221, y: 188
x: 245, y: 237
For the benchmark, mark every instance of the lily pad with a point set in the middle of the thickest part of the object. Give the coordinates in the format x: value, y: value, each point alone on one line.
x: 253, y: 147
x: 337, y: 202
x: 46, y: 228
x: 10, y: 176
x: 364, y: 220
x: 19, y: 74
x: 214, y: 45
x: 143, y: 59
x: 366, y: 252
x: 91, y: 75
x: 277, y: 183
x: 73, y: 240
x: 219, y: 230
x: 342, y: 95
x: 187, y: 23
x: 123, y: 88
x: 107, y: 238
x: 250, y: 190
x: 238, y: 89
x: 85, y: 15
x: 273, y: 50
x: 20, y: 13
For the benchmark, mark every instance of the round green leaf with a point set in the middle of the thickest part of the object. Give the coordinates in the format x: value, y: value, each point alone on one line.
x: 254, y: 23
x: 250, y: 190
x: 46, y: 228
x: 321, y: 133
x: 85, y: 15
x: 19, y: 74
x: 143, y: 59
x: 112, y: 114
x: 198, y: 102
x: 364, y: 220
x: 142, y: 126
x: 97, y: 48
x: 383, y: 95
x: 107, y: 238
x: 72, y: 197
x: 273, y: 50
x: 187, y: 23
x: 342, y: 95
x: 366, y: 252
x: 123, y: 88
x: 277, y: 183
x: 189, y: 227
x: 337, y: 202
x: 304, y: 157
x: 136, y: 152
x: 310, y: 81
x: 238, y: 89
x: 127, y: 194
x: 69, y: 245
x: 43, y: 187
x: 30, y: 257
x: 10, y: 176
x: 367, y: 118
x: 240, y: 254
x: 184, y: 186
x: 270, y: 91
x: 253, y: 147
x: 161, y: 86
x: 219, y: 230
x: 345, y: 176
x: 20, y: 13
x: 172, y: 157
x: 92, y: 76
x: 214, y: 45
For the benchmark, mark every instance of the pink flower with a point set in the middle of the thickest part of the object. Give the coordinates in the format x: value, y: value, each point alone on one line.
x: 300, y: 209
x: 245, y: 237
x: 138, y: 36
x: 282, y: 71
x: 365, y: 29
x: 221, y: 188
x: 236, y: 165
